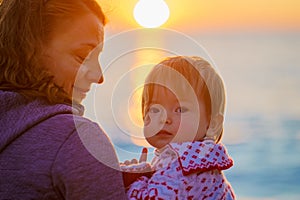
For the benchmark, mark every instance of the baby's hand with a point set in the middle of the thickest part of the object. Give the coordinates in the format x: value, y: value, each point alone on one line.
x: 132, y: 170
x: 135, y: 166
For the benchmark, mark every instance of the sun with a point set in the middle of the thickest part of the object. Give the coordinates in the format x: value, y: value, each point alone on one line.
x: 151, y: 13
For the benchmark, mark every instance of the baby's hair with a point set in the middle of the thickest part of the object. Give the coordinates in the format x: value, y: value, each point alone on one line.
x: 197, y: 74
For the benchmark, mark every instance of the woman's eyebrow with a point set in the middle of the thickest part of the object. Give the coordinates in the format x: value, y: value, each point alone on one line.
x: 90, y: 45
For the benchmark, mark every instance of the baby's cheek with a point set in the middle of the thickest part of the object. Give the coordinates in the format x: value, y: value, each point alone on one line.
x: 152, y: 125
x: 189, y: 124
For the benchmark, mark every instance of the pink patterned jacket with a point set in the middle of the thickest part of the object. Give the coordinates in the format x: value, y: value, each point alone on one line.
x: 189, y: 170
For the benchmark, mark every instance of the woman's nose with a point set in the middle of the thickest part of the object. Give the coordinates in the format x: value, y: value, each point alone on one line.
x: 94, y: 68
x: 101, y: 79
x: 99, y: 76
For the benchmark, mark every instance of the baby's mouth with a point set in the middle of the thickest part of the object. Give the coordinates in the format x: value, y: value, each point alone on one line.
x: 163, y: 132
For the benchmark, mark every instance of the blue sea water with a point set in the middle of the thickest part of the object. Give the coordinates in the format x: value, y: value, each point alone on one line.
x: 262, y: 126
x: 268, y: 165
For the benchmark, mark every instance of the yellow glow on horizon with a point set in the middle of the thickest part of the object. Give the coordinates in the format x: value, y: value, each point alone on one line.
x: 135, y: 111
x: 135, y: 114
x: 145, y: 59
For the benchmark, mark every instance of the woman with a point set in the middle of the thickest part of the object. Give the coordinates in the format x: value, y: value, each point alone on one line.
x: 48, y: 59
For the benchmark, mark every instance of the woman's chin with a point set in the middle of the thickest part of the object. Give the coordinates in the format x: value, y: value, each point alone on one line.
x: 78, y: 97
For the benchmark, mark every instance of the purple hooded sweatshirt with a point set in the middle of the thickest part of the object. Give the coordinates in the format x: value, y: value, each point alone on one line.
x: 44, y: 154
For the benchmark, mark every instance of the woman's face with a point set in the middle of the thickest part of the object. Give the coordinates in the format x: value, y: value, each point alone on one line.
x: 71, y: 55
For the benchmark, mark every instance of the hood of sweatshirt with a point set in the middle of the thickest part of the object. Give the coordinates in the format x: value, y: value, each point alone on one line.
x: 17, y: 115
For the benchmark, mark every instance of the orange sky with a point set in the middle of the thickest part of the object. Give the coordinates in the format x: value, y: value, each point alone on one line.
x: 195, y: 15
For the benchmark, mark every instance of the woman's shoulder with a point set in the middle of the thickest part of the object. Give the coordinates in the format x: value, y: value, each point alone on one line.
x: 88, y: 134
x: 72, y: 124
x: 71, y: 119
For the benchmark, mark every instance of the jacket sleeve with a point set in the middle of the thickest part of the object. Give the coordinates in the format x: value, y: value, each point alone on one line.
x: 86, y: 166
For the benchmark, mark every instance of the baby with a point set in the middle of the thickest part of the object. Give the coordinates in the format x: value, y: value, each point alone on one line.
x: 183, y: 107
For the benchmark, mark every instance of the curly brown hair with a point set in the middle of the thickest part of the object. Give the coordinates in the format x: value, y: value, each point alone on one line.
x: 24, y: 28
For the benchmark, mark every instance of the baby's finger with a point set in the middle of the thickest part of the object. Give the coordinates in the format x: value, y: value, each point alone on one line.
x: 134, y: 161
x: 143, y: 157
x: 126, y: 162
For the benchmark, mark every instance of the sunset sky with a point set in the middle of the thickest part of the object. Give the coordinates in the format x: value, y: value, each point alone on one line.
x: 213, y: 15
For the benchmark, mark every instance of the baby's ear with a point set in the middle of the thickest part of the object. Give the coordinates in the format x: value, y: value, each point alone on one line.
x: 146, y: 120
x: 215, y: 127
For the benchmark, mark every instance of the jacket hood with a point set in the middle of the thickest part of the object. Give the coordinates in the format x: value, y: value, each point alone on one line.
x: 17, y: 115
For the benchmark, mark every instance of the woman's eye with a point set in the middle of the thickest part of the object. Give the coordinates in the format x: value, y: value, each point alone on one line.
x: 81, y: 56
x: 80, y: 59
x: 181, y: 110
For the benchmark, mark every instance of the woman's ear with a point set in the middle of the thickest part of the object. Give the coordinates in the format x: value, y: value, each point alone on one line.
x: 215, y: 127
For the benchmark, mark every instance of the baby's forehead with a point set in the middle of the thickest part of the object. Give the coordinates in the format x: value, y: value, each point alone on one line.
x: 175, y: 80
x: 176, y: 95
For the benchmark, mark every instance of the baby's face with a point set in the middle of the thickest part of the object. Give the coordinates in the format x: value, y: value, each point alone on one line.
x: 169, y: 120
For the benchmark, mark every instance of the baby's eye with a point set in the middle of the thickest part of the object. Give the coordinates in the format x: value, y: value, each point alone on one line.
x: 154, y: 110
x: 181, y: 110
